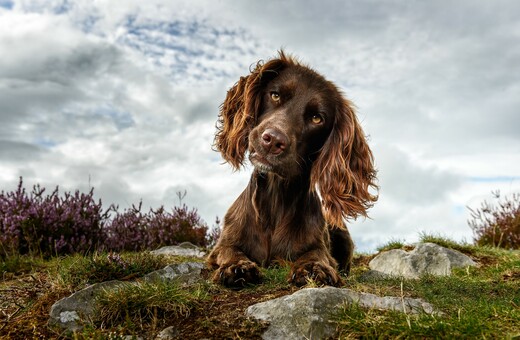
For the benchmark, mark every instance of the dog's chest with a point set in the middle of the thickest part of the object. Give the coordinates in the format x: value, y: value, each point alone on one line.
x: 280, y: 243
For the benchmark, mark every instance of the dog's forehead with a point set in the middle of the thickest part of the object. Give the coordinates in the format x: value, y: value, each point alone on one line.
x: 298, y: 78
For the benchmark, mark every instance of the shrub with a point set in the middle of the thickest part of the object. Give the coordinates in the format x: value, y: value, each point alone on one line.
x: 46, y: 225
x: 497, y: 225
x: 213, y: 234
x: 180, y: 225
x: 134, y: 230
x: 50, y: 224
x: 126, y: 231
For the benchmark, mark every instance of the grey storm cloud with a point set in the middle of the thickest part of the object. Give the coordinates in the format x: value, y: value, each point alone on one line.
x: 404, y: 181
x: 124, y: 97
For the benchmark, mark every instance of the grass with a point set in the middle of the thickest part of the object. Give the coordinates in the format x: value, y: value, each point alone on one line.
x: 392, y: 244
x: 18, y: 265
x: 78, y: 270
x: 446, y: 242
x: 475, y: 304
x: 480, y: 302
x: 147, y: 303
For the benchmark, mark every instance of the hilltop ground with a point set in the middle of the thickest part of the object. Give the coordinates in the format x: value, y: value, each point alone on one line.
x: 481, y: 302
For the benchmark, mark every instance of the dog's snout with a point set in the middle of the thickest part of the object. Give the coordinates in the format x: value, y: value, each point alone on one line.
x: 273, y: 141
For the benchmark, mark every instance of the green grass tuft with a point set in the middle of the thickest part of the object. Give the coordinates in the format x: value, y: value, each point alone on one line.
x: 19, y: 264
x: 446, y: 242
x: 392, y: 244
x: 133, y: 304
x: 275, y: 277
x: 77, y: 270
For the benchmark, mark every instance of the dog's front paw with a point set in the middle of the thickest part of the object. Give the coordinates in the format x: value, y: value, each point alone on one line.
x: 238, y: 275
x: 320, y: 273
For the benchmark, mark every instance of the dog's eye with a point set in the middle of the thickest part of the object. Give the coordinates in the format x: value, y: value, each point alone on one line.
x: 275, y: 96
x: 317, y: 119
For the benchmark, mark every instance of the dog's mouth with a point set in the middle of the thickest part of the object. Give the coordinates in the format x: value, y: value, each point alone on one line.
x: 260, y: 162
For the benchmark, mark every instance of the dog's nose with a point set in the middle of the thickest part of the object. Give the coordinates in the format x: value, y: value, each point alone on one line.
x: 273, y: 141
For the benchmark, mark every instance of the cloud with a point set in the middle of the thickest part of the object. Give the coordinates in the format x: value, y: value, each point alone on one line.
x: 413, y: 198
x: 51, y: 70
x: 19, y: 151
x: 124, y: 97
x: 412, y: 184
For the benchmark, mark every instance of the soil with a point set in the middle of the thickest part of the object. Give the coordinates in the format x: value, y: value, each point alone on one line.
x: 25, y: 303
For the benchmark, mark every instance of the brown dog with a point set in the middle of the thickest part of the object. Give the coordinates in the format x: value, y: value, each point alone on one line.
x: 312, y: 169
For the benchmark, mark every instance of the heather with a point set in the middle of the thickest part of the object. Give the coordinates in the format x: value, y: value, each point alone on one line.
x: 498, y: 224
x: 50, y: 224
x: 134, y: 230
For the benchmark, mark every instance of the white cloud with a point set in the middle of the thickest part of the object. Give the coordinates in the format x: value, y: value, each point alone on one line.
x: 124, y: 97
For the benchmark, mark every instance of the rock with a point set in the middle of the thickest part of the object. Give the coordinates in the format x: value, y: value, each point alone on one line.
x: 184, y: 249
x: 74, y: 311
x: 372, y: 275
x: 307, y: 313
x: 186, y: 273
x: 168, y: 334
x: 187, y: 245
x: 426, y: 258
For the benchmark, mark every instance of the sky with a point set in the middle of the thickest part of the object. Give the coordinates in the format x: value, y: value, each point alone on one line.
x: 123, y: 96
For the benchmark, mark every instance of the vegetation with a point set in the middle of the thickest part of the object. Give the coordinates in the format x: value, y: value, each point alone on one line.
x: 41, y: 224
x: 479, y: 302
x: 37, y: 223
x: 497, y: 225
x: 41, y: 261
x: 78, y: 270
x: 147, y: 303
x: 392, y: 244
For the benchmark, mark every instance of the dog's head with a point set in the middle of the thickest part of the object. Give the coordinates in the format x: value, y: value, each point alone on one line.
x: 294, y: 122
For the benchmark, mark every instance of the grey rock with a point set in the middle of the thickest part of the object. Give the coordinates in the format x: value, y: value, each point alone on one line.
x: 185, y: 273
x: 307, y: 313
x: 426, y: 258
x: 372, y: 275
x: 168, y: 334
x: 187, y: 245
x: 77, y: 309
x: 184, y: 249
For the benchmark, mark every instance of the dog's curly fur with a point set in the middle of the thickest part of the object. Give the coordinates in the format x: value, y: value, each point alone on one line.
x: 313, y: 170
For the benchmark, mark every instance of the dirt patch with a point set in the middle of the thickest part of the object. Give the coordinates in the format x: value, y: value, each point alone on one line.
x: 224, y: 317
x: 485, y: 260
x: 24, y: 307
x: 25, y: 304
x: 512, y: 275
x: 362, y: 260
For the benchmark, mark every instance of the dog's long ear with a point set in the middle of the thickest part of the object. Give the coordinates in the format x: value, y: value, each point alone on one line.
x: 239, y: 111
x: 344, y: 170
x: 233, y: 125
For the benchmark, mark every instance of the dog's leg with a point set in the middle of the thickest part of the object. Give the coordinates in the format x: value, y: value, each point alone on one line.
x: 315, y: 264
x: 233, y: 267
x: 341, y: 248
